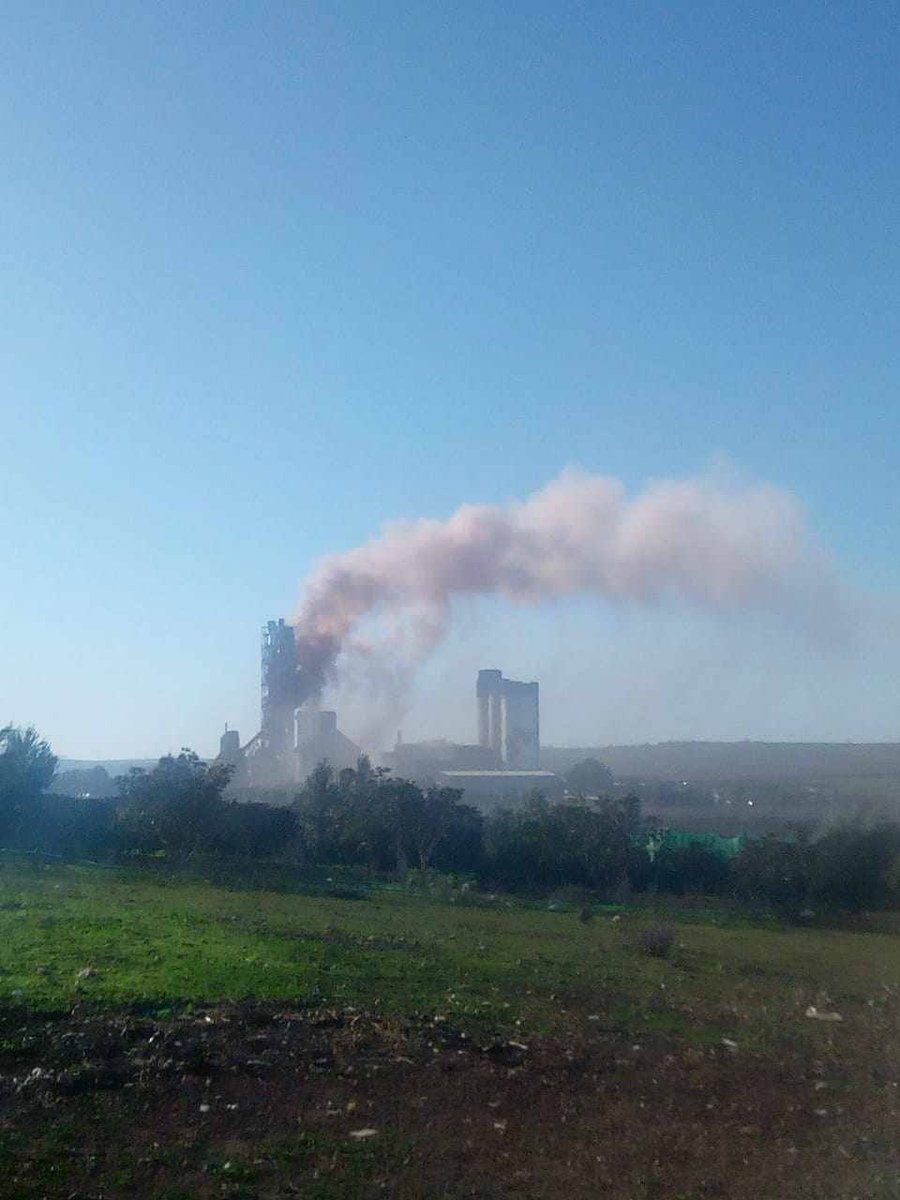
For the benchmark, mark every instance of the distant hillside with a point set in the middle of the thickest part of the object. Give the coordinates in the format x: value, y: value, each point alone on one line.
x: 698, y: 762
x: 112, y: 766
x: 710, y: 762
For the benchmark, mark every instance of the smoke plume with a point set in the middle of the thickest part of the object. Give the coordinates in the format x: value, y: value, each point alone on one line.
x: 722, y: 546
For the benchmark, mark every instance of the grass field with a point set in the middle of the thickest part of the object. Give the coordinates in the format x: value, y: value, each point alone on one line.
x: 182, y: 1040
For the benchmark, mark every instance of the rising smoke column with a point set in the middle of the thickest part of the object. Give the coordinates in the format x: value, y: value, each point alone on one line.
x: 717, y: 545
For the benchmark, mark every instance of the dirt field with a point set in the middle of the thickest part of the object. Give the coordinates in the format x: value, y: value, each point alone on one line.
x: 268, y: 1102
x: 594, y: 1072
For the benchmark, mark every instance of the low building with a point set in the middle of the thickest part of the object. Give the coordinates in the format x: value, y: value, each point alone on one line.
x: 493, y: 788
x: 319, y: 740
x: 423, y: 761
x: 232, y: 754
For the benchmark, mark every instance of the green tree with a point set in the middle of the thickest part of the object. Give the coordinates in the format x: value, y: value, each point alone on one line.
x: 775, y: 871
x: 337, y: 811
x: 430, y: 821
x: 27, y: 767
x: 691, y: 867
x: 176, y: 808
x: 589, y: 778
x: 552, y: 845
x: 366, y: 816
x: 388, y: 810
x: 853, y: 865
x: 94, y: 782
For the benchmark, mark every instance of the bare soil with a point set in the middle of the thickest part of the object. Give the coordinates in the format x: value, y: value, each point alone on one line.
x: 261, y: 1101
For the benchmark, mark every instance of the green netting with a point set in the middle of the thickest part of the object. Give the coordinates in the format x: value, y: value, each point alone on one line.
x: 672, y: 839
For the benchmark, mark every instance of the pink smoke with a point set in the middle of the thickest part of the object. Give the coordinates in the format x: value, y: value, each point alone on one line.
x: 716, y: 545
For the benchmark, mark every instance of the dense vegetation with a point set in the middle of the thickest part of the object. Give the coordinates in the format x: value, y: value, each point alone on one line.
x: 179, y: 814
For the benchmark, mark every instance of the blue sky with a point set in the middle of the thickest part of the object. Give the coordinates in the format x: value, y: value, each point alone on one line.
x: 274, y: 273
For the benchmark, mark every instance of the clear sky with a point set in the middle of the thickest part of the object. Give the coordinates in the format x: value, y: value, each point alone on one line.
x: 276, y: 272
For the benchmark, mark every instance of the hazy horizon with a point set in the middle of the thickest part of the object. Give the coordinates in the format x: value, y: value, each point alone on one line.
x: 68, y: 764
x: 277, y: 277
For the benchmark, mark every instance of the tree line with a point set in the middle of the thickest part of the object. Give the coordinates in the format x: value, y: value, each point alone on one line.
x: 604, y: 847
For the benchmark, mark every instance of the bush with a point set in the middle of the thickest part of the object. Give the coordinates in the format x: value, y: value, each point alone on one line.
x: 853, y: 866
x: 641, y: 868
x: 345, y: 891
x: 366, y: 817
x: 459, y: 851
x: 177, y: 808
x: 70, y: 826
x: 26, y: 770
x: 590, y: 778
x: 657, y: 941
x: 255, y: 830
x: 692, y: 867
x: 545, y: 847
x: 775, y: 872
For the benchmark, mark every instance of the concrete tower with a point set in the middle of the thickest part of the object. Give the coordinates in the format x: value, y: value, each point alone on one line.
x: 489, y: 694
x: 278, y: 688
x: 509, y: 720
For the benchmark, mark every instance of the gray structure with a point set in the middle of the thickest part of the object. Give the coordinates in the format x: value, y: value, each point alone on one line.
x: 292, y: 739
x: 279, y: 688
x: 509, y: 720
x: 230, y: 747
x: 423, y: 761
x: 319, y: 740
x: 487, y: 789
x: 231, y: 754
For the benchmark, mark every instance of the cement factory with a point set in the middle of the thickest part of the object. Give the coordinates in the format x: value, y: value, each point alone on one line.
x: 296, y: 735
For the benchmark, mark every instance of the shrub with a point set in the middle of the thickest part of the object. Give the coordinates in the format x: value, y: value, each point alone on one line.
x: 345, y: 891
x: 853, y: 866
x: 176, y: 808
x: 70, y: 826
x: 657, y: 941
x: 546, y: 847
x: 692, y: 867
x: 774, y: 871
x: 255, y: 830
x: 590, y: 778
x: 26, y: 769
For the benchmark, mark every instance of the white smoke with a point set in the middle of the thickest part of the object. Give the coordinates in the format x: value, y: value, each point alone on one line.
x: 713, y: 543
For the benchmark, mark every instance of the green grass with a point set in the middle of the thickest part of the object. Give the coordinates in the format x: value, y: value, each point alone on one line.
x: 507, y: 965
x: 332, y: 1167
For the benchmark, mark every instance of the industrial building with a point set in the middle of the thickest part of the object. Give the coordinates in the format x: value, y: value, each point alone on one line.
x: 489, y: 788
x: 423, y: 761
x: 279, y: 688
x: 503, y: 768
x: 509, y: 720
x: 293, y: 737
x: 318, y: 739
x: 230, y: 752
